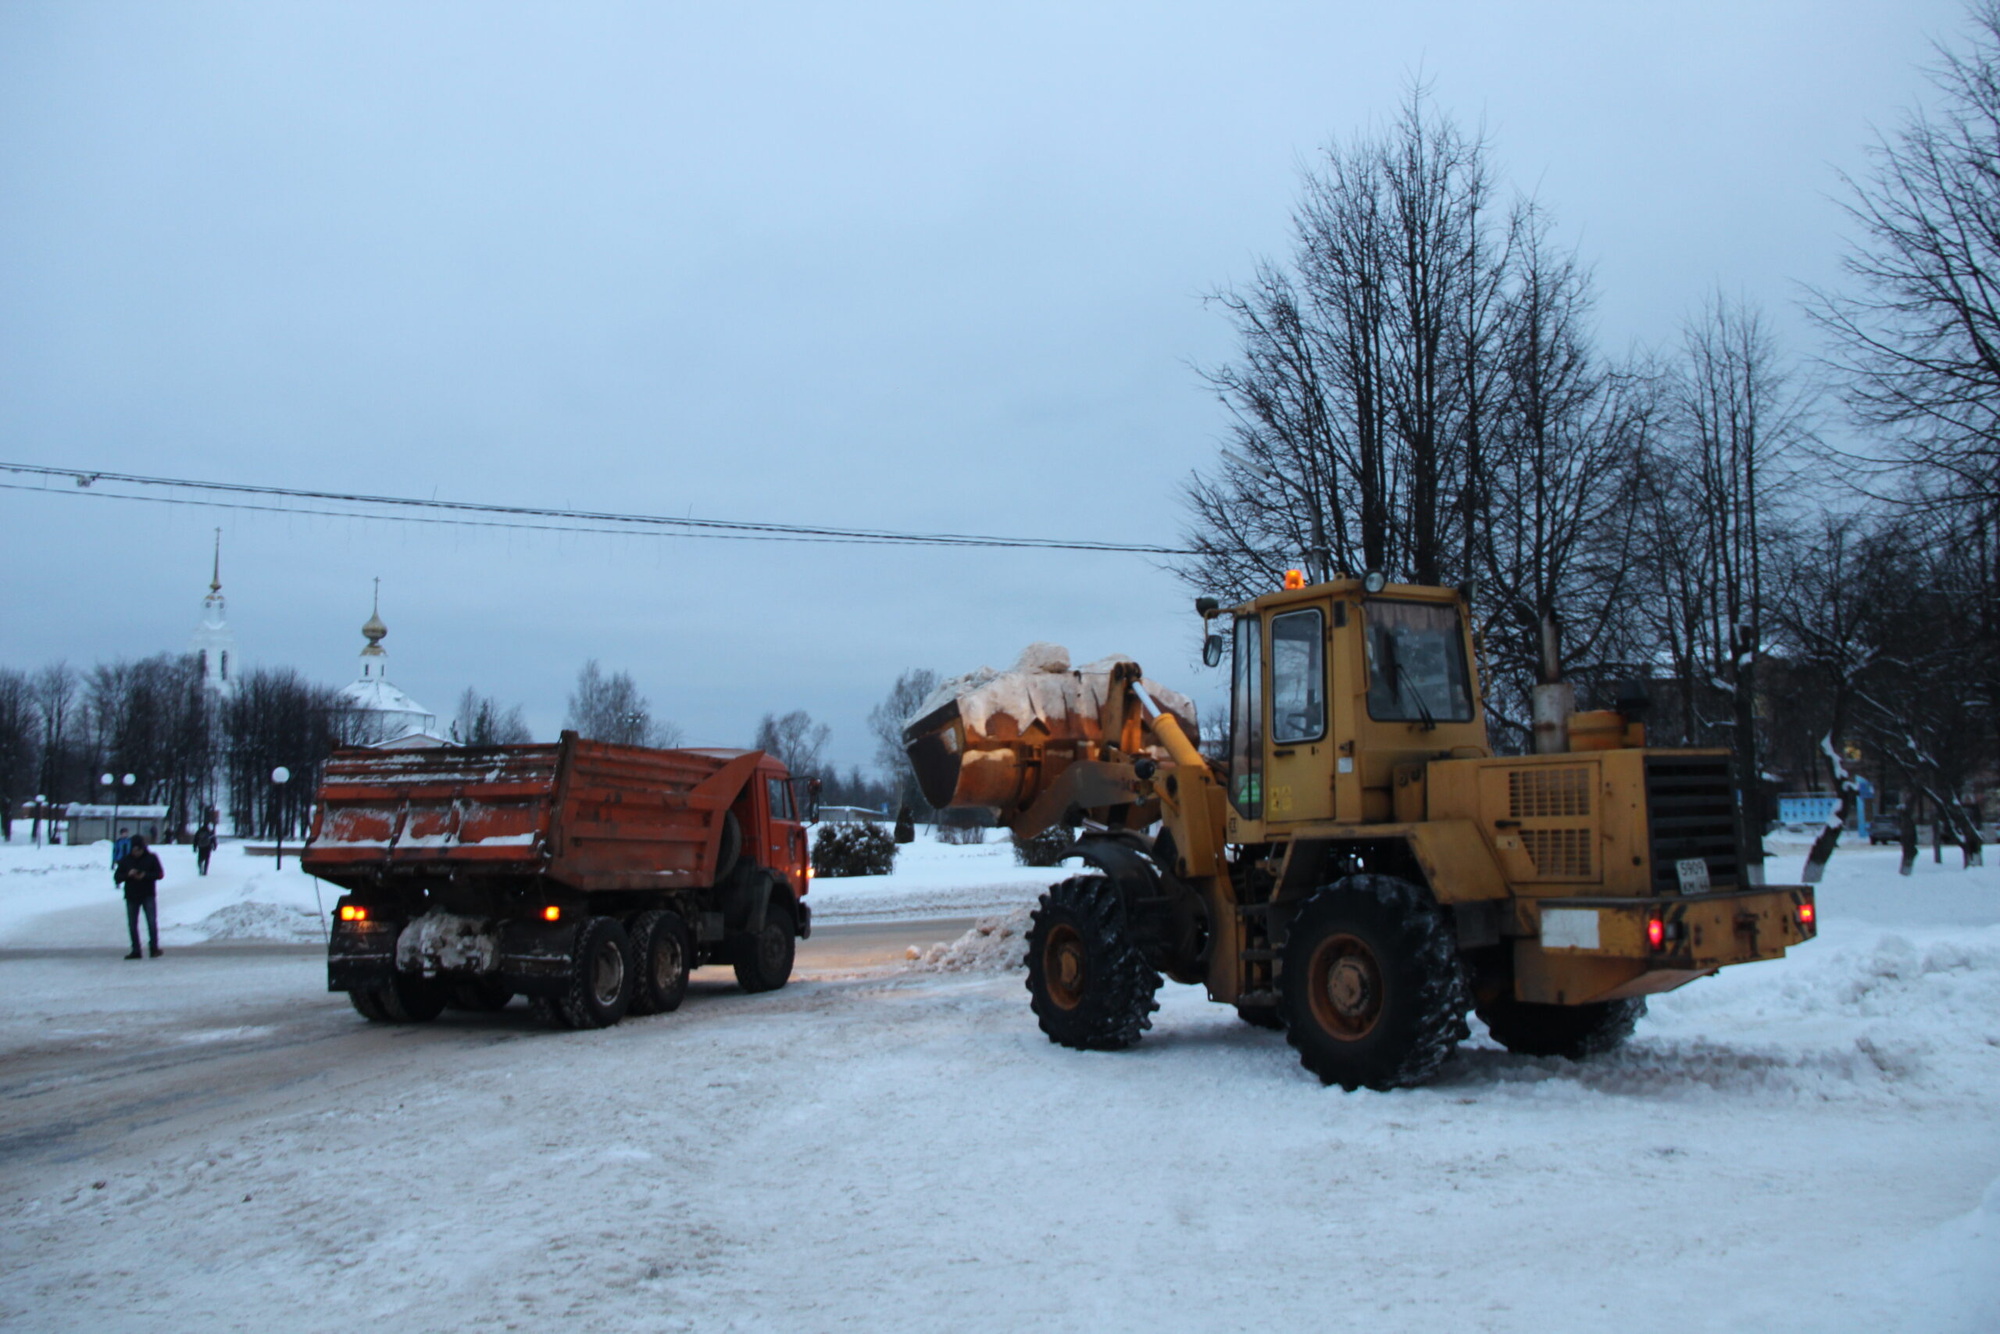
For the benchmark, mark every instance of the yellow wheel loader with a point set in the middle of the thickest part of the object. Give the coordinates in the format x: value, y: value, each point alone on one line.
x: 1359, y: 869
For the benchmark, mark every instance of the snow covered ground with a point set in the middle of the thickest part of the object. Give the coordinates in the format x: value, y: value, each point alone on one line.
x: 63, y: 898
x: 211, y: 1141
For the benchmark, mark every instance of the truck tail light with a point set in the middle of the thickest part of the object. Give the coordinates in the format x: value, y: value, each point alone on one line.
x: 1805, y: 914
x: 353, y: 912
x: 552, y: 913
x: 1656, y: 933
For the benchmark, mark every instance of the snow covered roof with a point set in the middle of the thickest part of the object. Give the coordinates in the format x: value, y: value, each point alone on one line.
x: 378, y: 696
x: 415, y: 739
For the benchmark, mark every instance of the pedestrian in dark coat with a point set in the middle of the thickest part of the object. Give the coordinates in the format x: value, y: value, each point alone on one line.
x: 204, y: 844
x: 139, y: 874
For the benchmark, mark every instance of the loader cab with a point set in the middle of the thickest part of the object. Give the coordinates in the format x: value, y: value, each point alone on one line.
x: 1334, y: 687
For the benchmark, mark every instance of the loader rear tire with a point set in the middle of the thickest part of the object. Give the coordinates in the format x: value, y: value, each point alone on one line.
x: 764, y: 961
x: 1575, y: 1031
x: 1088, y: 982
x: 1374, y: 993
x: 660, y: 953
x: 600, y: 982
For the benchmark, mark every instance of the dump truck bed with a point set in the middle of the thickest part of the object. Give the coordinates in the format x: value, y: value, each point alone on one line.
x: 588, y: 815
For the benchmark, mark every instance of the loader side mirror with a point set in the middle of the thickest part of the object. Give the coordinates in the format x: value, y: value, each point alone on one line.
x: 1211, y: 650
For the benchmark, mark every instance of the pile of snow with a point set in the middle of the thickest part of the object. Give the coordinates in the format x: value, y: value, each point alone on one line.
x: 993, y: 945
x: 260, y: 921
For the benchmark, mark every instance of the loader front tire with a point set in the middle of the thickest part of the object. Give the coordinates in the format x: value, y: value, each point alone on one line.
x: 1088, y: 982
x: 1575, y: 1031
x: 1373, y: 992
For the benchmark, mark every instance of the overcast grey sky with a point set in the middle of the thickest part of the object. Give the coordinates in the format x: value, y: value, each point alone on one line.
x: 903, y: 266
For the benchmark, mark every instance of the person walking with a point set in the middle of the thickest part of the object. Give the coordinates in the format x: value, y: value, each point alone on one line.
x: 139, y: 874
x: 204, y: 844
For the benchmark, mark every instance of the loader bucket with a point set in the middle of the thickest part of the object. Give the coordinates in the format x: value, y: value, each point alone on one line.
x: 998, y: 739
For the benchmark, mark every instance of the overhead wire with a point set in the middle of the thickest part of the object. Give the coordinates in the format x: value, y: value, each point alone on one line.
x: 406, y: 509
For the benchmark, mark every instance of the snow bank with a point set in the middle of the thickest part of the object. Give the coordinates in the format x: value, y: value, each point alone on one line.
x: 993, y: 945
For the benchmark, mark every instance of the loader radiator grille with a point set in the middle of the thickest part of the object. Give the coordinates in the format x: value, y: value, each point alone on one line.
x: 1557, y: 853
x: 1691, y: 812
x: 1548, y: 794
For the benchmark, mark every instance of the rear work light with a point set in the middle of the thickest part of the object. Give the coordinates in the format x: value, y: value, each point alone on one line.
x: 1805, y: 914
x: 1656, y: 933
x: 552, y: 913
x: 353, y: 912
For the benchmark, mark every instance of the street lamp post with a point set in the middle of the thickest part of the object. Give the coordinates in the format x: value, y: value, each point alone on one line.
x: 116, y: 801
x: 281, y: 776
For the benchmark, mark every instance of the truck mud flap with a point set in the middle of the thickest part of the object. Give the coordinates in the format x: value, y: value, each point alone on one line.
x: 535, y: 957
x: 360, y: 954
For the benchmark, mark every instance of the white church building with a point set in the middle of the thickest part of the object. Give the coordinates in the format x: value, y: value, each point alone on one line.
x: 391, y: 720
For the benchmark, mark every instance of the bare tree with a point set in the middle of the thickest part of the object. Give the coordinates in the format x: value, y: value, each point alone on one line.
x: 1554, y: 536
x: 55, y: 688
x: 886, y: 720
x: 1362, y: 370
x: 1740, y: 418
x: 275, y: 718
x: 610, y: 708
x: 1919, y: 338
x: 482, y: 721
x: 797, y: 741
x: 18, y: 752
x: 1916, y: 339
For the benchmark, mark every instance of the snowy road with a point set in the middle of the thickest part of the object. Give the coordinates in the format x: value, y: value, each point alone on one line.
x: 213, y: 1142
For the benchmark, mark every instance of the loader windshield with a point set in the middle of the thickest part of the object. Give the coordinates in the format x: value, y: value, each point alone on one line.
x: 1416, y: 663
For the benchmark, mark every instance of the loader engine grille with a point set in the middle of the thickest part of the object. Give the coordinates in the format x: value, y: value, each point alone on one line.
x: 1548, y: 794
x: 1563, y: 853
x: 1691, y: 812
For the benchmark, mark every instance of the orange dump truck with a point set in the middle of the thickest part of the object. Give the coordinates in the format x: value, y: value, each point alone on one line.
x: 586, y: 876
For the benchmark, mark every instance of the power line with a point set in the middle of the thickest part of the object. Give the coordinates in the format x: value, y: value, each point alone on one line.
x: 406, y: 509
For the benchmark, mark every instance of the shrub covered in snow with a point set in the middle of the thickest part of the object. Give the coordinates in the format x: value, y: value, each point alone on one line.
x: 1044, y: 849
x: 960, y: 835
x: 853, y: 849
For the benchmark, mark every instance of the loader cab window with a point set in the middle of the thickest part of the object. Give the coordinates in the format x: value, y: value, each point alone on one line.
x: 1298, y: 677
x: 1416, y: 663
x: 1246, y: 720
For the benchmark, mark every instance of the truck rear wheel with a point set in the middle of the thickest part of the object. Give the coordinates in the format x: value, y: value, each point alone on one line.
x: 1575, y: 1031
x: 661, y: 950
x: 764, y: 961
x: 367, y: 1004
x: 1088, y: 982
x: 409, y: 1000
x: 600, y: 982
x: 480, y: 997
x: 1374, y: 994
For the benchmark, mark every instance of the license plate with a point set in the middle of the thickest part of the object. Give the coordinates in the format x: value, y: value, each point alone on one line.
x: 1694, y: 875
